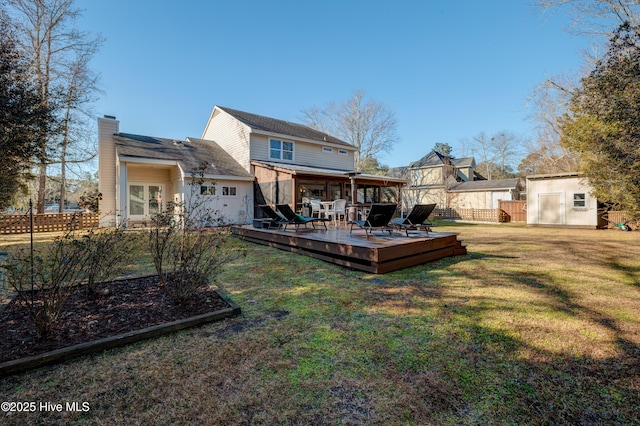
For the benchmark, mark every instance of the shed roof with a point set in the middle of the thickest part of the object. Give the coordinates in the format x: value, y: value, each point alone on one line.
x: 189, y: 154
x: 487, y: 185
x: 273, y: 125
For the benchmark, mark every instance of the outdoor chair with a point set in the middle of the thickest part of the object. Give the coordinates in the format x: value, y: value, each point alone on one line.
x: 297, y: 219
x: 378, y: 218
x: 275, y: 219
x: 316, y: 207
x: 337, y: 211
x: 415, y: 219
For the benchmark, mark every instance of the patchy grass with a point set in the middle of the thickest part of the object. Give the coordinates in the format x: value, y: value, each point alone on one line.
x: 533, y: 326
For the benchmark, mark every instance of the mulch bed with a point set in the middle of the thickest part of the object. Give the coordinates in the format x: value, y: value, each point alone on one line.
x: 130, y: 305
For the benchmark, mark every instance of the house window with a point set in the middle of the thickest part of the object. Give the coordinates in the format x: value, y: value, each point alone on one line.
x: 327, y: 150
x: 229, y: 191
x: 280, y: 150
x: 342, y: 152
x: 579, y: 200
x: 207, y: 190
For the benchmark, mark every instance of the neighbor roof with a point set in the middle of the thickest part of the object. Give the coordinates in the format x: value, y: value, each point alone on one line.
x: 189, y: 154
x: 434, y: 158
x: 486, y: 185
x: 287, y: 128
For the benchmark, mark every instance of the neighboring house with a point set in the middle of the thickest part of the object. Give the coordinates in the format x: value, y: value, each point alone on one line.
x: 452, y: 182
x: 291, y: 161
x: 561, y: 200
x: 484, y: 194
x: 139, y: 174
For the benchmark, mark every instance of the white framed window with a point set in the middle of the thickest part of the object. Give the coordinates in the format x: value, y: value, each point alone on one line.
x: 280, y: 150
x: 229, y: 191
x: 327, y: 150
x: 343, y: 152
x: 579, y: 200
x: 207, y: 190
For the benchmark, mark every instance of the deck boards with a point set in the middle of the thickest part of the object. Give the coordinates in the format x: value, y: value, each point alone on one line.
x: 378, y: 254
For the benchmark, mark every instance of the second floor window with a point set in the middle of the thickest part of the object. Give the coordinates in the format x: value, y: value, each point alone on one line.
x: 280, y: 150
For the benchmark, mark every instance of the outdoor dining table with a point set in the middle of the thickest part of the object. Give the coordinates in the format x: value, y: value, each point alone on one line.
x: 326, y: 205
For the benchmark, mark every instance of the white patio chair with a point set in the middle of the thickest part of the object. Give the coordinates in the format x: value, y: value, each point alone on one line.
x: 337, y: 212
x: 316, y: 207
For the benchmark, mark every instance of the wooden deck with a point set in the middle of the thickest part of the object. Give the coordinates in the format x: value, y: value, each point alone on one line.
x: 378, y: 254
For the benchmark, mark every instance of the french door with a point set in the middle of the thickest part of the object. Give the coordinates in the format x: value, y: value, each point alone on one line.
x: 145, y: 200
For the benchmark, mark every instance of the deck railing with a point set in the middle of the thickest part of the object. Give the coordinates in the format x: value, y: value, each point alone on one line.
x: 21, y: 223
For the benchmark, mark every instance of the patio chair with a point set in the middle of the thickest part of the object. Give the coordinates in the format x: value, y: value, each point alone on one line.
x: 415, y: 219
x: 275, y: 219
x: 297, y: 219
x: 337, y: 211
x: 378, y: 218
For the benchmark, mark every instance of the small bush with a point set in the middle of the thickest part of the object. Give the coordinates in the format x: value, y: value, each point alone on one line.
x: 45, y: 281
x: 107, y: 253
x: 184, y: 251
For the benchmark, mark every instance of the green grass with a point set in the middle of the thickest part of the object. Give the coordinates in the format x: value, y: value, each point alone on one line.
x: 533, y: 326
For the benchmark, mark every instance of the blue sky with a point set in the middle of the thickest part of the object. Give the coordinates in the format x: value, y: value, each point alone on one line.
x: 449, y: 69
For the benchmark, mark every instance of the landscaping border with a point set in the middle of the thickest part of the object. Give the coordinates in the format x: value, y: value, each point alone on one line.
x: 59, y: 355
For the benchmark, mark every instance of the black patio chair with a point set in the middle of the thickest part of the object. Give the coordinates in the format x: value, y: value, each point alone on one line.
x: 378, y: 218
x: 297, y: 219
x: 275, y: 219
x: 416, y: 219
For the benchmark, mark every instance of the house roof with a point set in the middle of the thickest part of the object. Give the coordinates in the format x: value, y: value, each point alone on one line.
x: 282, y: 127
x: 189, y: 154
x: 319, y: 171
x: 434, y: 159
x: 486, y: 185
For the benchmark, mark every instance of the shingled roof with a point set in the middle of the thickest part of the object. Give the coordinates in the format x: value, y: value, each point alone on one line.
x: 434, y: 158
x: 189, y: 154
x: 486, y: 185
x: 282, y: 127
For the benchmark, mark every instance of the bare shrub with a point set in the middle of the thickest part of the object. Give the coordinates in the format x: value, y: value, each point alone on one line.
x: 107, y: 253
x: 45, y: 281
x: 185, y: 249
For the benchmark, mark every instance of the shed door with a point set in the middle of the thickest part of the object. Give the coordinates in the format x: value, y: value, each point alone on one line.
x: 550, y: 209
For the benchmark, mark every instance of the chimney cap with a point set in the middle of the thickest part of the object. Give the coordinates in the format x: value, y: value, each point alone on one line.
x: 110, y: 117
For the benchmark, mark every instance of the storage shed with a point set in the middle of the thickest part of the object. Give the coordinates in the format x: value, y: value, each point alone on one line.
x: 561, y: 200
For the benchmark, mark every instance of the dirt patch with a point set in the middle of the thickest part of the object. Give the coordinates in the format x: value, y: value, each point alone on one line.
x: 129, y: 305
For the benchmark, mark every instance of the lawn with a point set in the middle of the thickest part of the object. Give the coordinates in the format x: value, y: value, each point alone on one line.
x: 533, y: 326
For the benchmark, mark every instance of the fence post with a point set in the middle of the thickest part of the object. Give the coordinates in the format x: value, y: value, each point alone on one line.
x: 4, y: 286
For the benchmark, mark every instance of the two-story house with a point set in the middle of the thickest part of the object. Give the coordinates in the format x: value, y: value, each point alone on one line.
x: 251, y: 159
x: 291, y: 161
x: 452, y: 182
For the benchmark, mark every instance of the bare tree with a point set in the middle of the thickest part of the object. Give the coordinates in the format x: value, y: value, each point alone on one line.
x: 496, y: 153
x: 54, y: 47
x: 482, y: 148
x: 549, y: 104
x: 368, y: 125
x: 75, y: 135
x: 596, y: 17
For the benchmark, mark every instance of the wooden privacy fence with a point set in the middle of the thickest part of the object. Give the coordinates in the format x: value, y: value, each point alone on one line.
x: 516, y: 210
x: 20, y: 223
x: 480, y: 215
x: 509, y: 211
x: 612, y: 218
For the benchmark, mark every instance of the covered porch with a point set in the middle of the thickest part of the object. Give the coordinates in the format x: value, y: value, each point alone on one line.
x: 278, y: 183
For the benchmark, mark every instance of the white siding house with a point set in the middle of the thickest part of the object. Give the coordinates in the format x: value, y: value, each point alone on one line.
x: 562, y: 200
